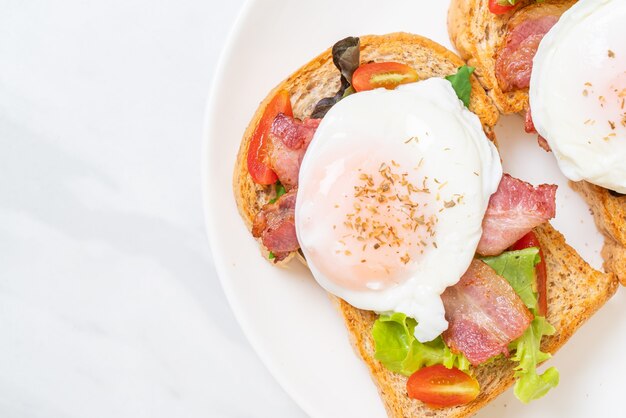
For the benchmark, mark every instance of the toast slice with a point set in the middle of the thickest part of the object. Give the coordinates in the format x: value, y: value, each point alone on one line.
x: 609, y: 212
x: 320, y: 78
x: 478, y: 35
x: 575, y: 293
x: 575, y: 290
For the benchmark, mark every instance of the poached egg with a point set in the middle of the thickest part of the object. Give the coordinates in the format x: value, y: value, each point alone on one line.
x: 392, y: 193
x: 578, y: 92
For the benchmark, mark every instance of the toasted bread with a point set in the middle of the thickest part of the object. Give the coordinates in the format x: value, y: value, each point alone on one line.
x: 478, y: 34
x: 575, y: 290
x: 609, y: 212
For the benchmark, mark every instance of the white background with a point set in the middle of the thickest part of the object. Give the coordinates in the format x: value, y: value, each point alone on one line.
x: 109, y: 302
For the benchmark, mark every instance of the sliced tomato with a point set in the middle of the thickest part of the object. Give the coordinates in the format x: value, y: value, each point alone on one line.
x: 382, y: 74
x: 527, y: 241
x: 261, y: 173
x: 496, y: 8
x: 438, y: 386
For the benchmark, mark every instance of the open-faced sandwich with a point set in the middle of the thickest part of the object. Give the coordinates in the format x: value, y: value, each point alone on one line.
x: 376, y: 165
x: 565, y: 60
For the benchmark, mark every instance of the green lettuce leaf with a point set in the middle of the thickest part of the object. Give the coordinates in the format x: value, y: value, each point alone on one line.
x: 461, y: 83
x: 518, y: 268
x: 530, y: 385
x: 400, y: 352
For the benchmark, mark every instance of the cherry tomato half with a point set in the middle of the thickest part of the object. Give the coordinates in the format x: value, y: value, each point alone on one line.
x: 496, y: 8
x: 439, y: 387
x: 260, y: 172
x: 382, y: 74
x: 527, y: 241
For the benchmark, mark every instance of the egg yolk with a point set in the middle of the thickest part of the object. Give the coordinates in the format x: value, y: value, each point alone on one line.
x: 381, y: 217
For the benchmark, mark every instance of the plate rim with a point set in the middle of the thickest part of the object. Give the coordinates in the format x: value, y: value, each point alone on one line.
x: 210, y: 109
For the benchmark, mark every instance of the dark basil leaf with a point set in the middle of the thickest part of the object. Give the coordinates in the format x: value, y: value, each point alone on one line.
x: 346, y: 57
x: 350, y: 90
x: 323, y: 106
x: 461, y: 83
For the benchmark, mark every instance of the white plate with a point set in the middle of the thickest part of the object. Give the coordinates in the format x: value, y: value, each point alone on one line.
x: 286, y: 316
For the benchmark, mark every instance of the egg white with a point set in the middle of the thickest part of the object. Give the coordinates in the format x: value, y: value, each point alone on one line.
x: 577, y: 92
x: 417, y: 125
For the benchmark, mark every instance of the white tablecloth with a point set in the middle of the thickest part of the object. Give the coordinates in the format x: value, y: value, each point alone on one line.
x: 109, y: 302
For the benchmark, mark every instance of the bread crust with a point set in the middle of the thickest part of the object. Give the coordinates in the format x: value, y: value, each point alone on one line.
x: 609, y: 213
x: 569, y: 301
